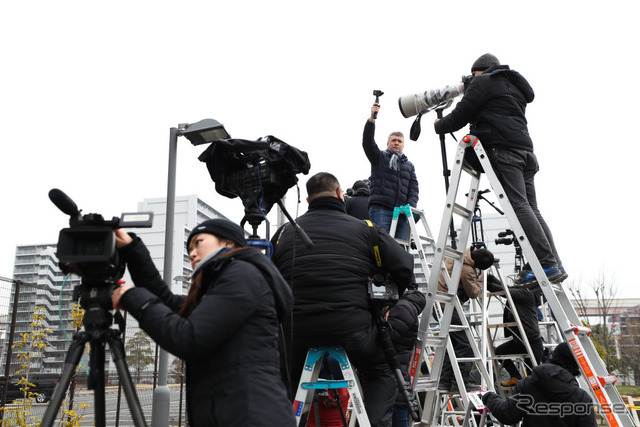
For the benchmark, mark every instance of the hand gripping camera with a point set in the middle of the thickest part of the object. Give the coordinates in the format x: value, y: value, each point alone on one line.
x: 87, y: 248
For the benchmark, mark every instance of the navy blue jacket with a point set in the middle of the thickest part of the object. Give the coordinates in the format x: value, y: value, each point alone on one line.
x: 388, y: 188
x: 494, y: 105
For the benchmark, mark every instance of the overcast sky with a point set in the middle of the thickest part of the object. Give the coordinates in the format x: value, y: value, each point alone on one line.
x: 91, y: 89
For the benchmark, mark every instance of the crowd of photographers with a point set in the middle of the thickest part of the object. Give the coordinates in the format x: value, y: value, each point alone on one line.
x: 246, y: 325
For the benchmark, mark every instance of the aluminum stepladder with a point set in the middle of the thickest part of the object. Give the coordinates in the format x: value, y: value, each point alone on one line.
x: 600, y: 382
x: 425, y: 248
x: 309, y: 383
x: 430, y: 337
x: 489, y: 341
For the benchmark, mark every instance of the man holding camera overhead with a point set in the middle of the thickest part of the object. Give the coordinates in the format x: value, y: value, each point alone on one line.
x: 329, y: 283
x: 393, y: 181
x: 494, y: 104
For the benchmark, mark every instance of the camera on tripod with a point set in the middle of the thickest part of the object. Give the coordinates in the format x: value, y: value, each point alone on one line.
x: 87, y: 248
x: 382, y: 292
x: 503, y: 239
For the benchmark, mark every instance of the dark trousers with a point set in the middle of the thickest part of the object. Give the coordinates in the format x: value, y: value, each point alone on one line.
x: 516, y: 170
x: 462, y: 348
x: 383, y: 217
x: 378, y: 383
x: 515, y: 346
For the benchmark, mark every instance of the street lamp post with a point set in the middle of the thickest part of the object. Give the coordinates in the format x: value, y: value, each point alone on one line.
x: 202, y: 132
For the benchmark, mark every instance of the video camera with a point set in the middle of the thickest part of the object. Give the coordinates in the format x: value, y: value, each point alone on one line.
x: 259, y: 172
x: 382, y: 292
x: 87, y: 248
x: 503, y: 239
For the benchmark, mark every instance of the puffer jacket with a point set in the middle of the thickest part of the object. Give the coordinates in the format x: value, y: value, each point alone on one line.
x: 229, y: 341
x: 329, y: 281
x: 470, y: 280
x: 494, y: 104
x: 550, y: 388
x: 388, y: 188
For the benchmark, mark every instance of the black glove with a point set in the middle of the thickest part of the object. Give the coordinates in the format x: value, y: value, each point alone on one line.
x: 485, y: 396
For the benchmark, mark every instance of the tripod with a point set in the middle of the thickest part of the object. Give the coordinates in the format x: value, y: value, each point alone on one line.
x: 97, y: 321
x: 392, y: 360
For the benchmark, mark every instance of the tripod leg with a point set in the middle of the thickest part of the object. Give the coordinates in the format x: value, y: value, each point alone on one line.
x: 117, y: 353
x: 74, y: 354
x: 96, y: 377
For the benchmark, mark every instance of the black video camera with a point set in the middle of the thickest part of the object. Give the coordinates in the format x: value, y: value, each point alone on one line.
x: 503, y: 239
x: 382, y: 292
x: 88, y: 247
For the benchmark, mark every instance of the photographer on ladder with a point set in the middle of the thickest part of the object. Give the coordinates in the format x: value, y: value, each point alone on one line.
x: 494, y: 104
x: 330, y: 282
x: 393, y: 181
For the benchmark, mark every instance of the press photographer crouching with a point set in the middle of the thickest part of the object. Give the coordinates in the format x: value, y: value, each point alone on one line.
x: 225, y: 329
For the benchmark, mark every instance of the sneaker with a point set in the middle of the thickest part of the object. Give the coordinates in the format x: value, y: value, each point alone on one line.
x: 510, y: 382
x: 563, y: 277
x: 528, y: 279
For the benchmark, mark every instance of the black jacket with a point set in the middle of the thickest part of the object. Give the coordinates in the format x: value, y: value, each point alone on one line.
x: 230, y: 340
x: 329, y: 281
x: 388, y: 188
x: 358, y: 204
x: 403, y: 321
x: 544, y: 391
x: 494, y: 103
x: 525, y: 303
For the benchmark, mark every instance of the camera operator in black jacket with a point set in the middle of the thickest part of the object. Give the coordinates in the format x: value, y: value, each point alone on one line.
x: 550, y: 396
x: 225, y: 329
x: 329, y: 283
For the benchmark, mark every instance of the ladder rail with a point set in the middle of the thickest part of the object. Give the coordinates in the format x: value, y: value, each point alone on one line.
x: 592, y: 366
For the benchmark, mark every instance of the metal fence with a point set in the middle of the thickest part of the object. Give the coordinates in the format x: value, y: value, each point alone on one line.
x: 17, y: 302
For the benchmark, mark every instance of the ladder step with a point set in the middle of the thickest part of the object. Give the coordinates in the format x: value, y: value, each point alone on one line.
x: 462, y: 211
x: 322, y: 384
x: 436, y: 341
x: 454, y: 254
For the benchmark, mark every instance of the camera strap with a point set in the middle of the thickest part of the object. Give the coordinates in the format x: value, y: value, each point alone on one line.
x: 375, y: 243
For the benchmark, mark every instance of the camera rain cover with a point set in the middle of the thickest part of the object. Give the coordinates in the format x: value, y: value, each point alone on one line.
x: 236, y: 165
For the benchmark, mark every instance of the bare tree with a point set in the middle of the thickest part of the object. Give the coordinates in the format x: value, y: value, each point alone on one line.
x: 604, y: 289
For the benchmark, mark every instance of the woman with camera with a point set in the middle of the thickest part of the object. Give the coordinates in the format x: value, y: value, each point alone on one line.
x: 225, y: 329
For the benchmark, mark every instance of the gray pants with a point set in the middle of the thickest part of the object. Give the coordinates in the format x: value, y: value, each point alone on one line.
x: 516, y: 170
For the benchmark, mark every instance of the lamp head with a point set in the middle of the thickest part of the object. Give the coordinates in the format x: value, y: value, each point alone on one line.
x: 204, y: 131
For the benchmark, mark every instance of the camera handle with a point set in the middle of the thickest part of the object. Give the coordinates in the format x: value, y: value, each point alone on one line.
x: 377, y: 94
x: 392, y: 360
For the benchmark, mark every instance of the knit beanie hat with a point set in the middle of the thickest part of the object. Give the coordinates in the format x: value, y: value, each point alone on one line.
x: 563, y: 356
x: 482, y: 258
x: 485, y: 61
x: 221, y: 228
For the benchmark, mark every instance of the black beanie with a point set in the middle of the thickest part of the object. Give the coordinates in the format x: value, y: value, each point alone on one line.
x: 221, y: 228
x: 485, y: 61
x: 359, y: 184
x: 562, y: 355
x: 482, y: 258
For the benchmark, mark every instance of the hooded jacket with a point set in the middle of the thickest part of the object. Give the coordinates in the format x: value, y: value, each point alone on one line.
x: 470, y: 279
x: 358, y: 204
x: 539, y: 399
x: 494, y: 104
x: 388, y: 188
x: 229, y: 341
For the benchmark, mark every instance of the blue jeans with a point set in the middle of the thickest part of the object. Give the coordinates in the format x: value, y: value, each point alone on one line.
x: 382, y: 217
x: 516, y: 170
x: 400, y: 417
